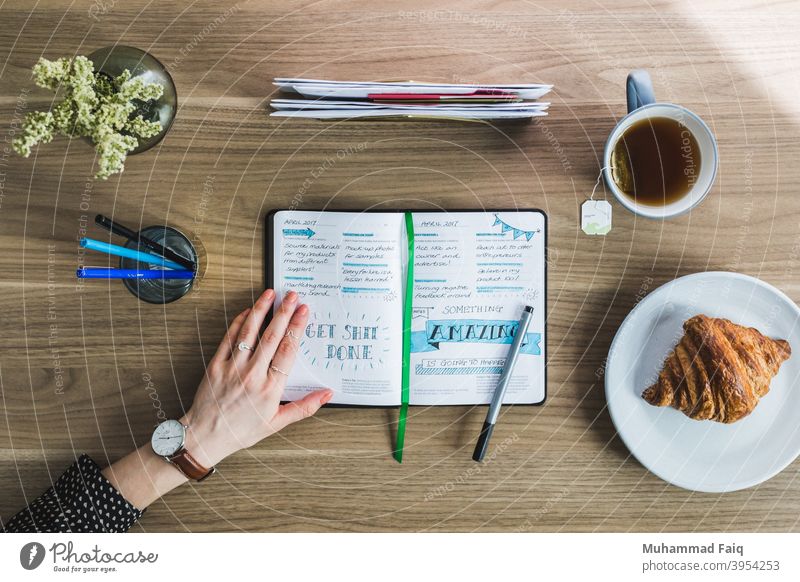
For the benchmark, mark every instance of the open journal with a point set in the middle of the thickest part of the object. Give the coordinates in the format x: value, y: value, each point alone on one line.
x: 470, y: 275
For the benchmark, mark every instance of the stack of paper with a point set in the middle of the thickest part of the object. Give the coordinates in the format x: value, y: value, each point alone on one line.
x: 354, y: 100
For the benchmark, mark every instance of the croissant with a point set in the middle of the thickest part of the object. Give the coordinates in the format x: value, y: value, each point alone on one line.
x: 718, y: 371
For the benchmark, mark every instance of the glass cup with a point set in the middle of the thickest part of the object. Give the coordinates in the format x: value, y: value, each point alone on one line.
x: 160, y: 291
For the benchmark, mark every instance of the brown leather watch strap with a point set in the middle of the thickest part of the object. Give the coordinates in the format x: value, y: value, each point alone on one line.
x: 189, y: 466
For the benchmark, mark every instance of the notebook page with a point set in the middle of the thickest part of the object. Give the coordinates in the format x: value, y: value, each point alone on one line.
x: 347, y: 267
x: 473, y: 274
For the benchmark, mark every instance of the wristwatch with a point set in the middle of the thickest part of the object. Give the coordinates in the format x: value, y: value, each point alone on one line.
x: 168, y: 441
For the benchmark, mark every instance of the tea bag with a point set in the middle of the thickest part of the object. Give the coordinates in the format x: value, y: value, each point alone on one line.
x: 596, y: 217
x: 596, y: 214
x: 620, y: 170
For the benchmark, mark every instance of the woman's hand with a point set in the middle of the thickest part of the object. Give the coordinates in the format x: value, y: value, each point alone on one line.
x: 238, y: 402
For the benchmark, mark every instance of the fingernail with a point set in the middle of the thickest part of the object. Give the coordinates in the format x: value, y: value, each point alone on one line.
x: 269, y: 294
x: 291, y: 297
x: 303, y: 309
x: 327, y: 396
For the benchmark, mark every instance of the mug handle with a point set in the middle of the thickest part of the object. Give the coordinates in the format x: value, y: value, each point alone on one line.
x: 640, y: 89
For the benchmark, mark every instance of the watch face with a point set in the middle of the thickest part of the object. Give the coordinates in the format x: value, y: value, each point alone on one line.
x: 168, y: 438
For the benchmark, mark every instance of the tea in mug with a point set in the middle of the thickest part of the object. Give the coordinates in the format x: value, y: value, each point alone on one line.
x: 656, y: 161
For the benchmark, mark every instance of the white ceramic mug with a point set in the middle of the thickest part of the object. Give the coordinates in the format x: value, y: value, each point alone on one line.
x: 642, y: 104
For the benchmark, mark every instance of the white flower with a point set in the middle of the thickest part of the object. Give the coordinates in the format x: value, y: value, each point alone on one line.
x: 93, y: 106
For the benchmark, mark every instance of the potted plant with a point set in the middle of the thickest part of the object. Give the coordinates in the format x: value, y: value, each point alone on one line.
x: 119, y: 98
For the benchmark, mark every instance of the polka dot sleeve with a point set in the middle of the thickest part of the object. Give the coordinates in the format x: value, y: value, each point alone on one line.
x: 82, y: 500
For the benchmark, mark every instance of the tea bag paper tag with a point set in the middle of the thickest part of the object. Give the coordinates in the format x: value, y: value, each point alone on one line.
x: 596, y: 217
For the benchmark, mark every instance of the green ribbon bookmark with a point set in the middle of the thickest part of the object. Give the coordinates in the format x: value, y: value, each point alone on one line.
x: 407, y: 313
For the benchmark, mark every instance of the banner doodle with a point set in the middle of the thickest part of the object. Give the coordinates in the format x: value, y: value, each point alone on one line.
x: 495, y: 331
x: 517, y: 232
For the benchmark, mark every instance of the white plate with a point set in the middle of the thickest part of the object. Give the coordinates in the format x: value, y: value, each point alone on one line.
x: 705, y: 455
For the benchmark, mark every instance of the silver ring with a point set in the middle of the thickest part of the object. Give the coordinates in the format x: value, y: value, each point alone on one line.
x: 278, y: 370
x: 290, y: 333
x: 245, y: 347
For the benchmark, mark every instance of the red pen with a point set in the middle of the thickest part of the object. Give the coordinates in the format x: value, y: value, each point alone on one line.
x: 478, y: 95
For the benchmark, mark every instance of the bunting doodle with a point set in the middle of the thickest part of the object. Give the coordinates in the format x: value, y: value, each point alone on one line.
x: 516, y: 232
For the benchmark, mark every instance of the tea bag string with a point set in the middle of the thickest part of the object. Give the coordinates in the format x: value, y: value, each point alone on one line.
x: 597, y: 182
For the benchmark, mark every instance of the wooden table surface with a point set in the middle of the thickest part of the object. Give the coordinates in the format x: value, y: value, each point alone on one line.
x: 89, y: 369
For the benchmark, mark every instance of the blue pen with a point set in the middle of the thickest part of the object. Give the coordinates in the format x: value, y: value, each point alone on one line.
x: 104, y: 273
x: 142, y: 257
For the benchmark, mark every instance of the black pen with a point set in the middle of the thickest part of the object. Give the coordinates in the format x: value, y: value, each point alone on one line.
x: 502, y: 384
x: 151, y: 245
